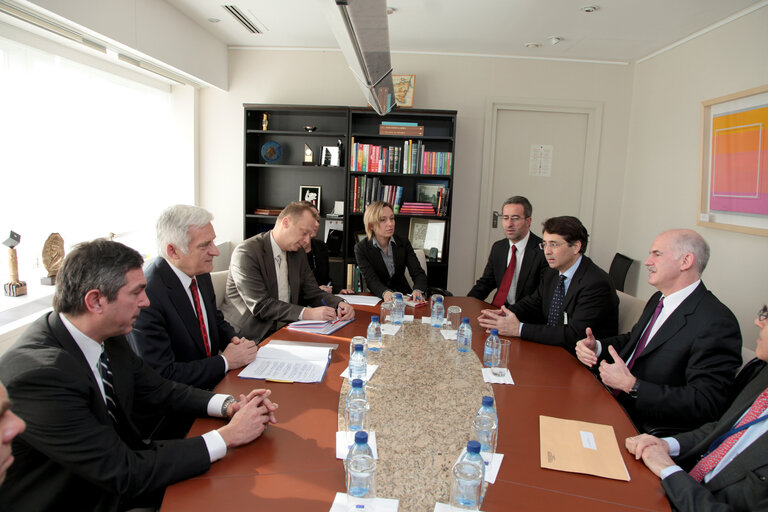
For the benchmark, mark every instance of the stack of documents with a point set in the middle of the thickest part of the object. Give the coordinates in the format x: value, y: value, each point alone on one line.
x: 318, y: 326
x: 287, y: 361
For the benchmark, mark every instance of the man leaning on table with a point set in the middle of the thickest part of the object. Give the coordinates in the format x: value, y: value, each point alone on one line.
x: 516, y: 263
x: 182, y: 334
x: 75, y: 381
x: 269, y: 272
x: 674, y: 368
x: 726, y: 459
x: 573, y: 293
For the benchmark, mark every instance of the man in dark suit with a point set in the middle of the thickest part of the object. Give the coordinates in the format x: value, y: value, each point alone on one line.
x: 675, y: 367
x: 574, y: 293
x: 75, y: 381
x: 269, y: 272
x: 733, y: 475
x: 170, y: 336
x: 516, y: 263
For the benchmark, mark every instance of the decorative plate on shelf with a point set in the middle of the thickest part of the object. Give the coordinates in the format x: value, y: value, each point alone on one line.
x: 271, y: 152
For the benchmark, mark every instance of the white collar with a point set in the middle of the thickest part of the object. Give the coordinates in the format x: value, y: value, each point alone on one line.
x: 90, y: 348
x: 183, y: 277
x: 276, y: 250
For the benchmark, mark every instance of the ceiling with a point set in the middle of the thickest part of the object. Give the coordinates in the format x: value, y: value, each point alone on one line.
x: 619, y: 30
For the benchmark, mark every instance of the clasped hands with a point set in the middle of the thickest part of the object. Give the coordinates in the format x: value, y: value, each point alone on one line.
x: 249, y: 417
x: 615, y: 375
x: 502, y: 319
x: 653, y: 451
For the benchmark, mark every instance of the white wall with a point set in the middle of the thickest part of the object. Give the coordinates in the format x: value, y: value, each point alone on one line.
x: 661, y: 187
x: 442, y: 82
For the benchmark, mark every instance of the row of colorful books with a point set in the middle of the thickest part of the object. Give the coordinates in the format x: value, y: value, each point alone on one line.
x: 366, y: 189
x: 354, y: 279
x: 410, y: 158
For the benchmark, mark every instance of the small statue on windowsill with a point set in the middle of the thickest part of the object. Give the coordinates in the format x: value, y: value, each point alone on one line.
x: 15, y: 288
x: 53, y: 257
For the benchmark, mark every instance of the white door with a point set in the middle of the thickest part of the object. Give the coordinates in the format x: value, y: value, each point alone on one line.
x: 547, y: 153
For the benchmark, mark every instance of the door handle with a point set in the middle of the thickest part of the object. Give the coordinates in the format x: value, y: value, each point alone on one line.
x: 495, y: 221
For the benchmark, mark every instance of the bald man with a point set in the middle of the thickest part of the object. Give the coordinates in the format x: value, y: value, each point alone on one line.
x: 675, y: 367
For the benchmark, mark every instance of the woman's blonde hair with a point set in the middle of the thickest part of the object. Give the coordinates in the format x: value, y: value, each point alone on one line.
x: 372, y: 215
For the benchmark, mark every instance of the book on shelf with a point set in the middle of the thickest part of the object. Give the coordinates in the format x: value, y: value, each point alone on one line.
x: 399, y: 123
x: 410, y: 158
x: 354, y: 278
x: 267, y: 211
x: 407, y: 131
x: 367, y: 189
x: 417, y: 209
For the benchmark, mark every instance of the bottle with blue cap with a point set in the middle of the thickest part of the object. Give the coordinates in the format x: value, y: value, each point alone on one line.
x: 398, y: 309
x: 487, y: 409
x: 361, y: 474
x: 358, y: 363
x: 473, y: 455
x: 492, y: 349
x: 464, y: 336
x: 438, y: 313
x: 360, y: 446
x: 356, y: 392
x: 374, y: 334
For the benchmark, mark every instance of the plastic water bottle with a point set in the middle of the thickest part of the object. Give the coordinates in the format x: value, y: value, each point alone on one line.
x: 358, y: 365
x: 360, y: 446
x: 398, y: 309
x: 473, y: 455
x: 492, y: 349
x: 357, y: 392
x: 374, y: 334
x: 486, y: 409
x: 438, y: 313
x: 464, y: 336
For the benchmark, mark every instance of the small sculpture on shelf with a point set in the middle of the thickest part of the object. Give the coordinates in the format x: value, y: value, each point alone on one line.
x: 309, y: 156
x: 264, y: 121
x: 53, y: 257
x: 15, y: 288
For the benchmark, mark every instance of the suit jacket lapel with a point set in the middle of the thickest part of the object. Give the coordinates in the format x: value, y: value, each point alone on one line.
x: 268, y: 264
x: 575, y: 281
x: 676, y: 320
x: 182, y: 304
x: 62, y: 335
x: 294, y: 269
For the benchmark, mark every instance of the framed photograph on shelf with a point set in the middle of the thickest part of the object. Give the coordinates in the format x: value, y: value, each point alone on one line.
x: 733, y: 180
x: 330, y: 156
x: 404, y: 85
x: 360, y: 236
x: 427, y: 234
x: 310, y: 193
x: 429, y: 191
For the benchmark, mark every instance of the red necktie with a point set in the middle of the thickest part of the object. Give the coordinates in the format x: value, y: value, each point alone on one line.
x: 200, y: 319
x: 709, y: 462
x: 506, y: 281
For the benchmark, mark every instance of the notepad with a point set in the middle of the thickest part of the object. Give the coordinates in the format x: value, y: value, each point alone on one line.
x: 318, y: 326
x: 289, y: 362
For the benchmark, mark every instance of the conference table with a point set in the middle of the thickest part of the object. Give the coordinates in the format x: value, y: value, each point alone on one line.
x: 293, y: 465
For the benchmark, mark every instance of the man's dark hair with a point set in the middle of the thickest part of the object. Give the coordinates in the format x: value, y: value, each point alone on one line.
x: 570, y: 228
x: 524, y: 202
x: 97, y: 265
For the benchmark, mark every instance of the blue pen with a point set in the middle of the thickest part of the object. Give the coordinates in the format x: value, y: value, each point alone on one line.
x: 326, y: 305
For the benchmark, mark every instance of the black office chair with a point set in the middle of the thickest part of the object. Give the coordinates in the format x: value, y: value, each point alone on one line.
x: 619, y: 268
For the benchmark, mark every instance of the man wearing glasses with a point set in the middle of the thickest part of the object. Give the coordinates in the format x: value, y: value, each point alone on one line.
x: 673, y: 370
x: 574, y: 294
x: 725, y: 459
x: 516, y: 263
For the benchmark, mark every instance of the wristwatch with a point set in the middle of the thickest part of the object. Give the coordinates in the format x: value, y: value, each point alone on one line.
x: 633, y: 391
x: 227, y: 402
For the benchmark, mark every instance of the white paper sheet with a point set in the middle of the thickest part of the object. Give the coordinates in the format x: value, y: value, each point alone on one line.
x: 360, y: 300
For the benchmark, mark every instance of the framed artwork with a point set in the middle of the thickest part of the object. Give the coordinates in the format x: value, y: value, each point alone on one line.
x: 427, y: 234
x: 733, y: 180
x: 429, y: 191
x: 330, y: 156
x: 310, y: 193
x: 360, y: 236
x: 404, y: 85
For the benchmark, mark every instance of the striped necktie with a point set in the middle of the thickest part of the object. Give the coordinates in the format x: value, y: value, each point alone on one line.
x: 109, y: 388
x: 556, y: 307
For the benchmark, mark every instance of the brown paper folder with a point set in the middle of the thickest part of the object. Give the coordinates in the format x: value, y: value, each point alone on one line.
x: 580, y: 447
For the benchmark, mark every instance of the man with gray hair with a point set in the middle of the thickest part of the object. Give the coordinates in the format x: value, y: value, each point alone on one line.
x: 516, y: 263
x: 182, y: 334
x: 673, y: 370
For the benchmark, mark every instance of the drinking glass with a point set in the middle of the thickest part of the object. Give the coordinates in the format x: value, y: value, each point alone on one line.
x: 466, y: 486
x: 500, y: 370
x: 454, y: 317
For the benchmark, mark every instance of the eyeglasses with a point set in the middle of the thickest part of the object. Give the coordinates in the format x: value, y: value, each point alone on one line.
x: 552, y: 245
x: 514, y: 218
x: 762, y: 315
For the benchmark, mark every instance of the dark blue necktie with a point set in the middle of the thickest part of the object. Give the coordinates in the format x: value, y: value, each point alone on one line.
x: 109, y: 388
x: 556, y: 307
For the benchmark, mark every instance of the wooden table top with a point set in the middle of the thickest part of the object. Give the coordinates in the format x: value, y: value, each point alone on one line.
x: 292, y: 466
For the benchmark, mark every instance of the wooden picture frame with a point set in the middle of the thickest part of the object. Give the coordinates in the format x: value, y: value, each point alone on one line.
x: 404, y: 86
x: 733, y: 177
x: 311, y: 193
x: 426, y: 234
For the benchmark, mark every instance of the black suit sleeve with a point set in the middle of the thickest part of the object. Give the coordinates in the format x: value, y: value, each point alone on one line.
x: 487, y: 282
x: 363, y: 251
x: 322, y: 262
x: 688, y: 495
x: 157, y: 348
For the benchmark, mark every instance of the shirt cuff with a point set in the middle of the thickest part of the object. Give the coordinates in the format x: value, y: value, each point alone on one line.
x: 599, y: 348
x: 226, y: 365
x: 520, y: 330
x: 215, y: 444
x: 301, y: 315
x: 215, y: 403
x: 674, y: 446
x: 669, y: 470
